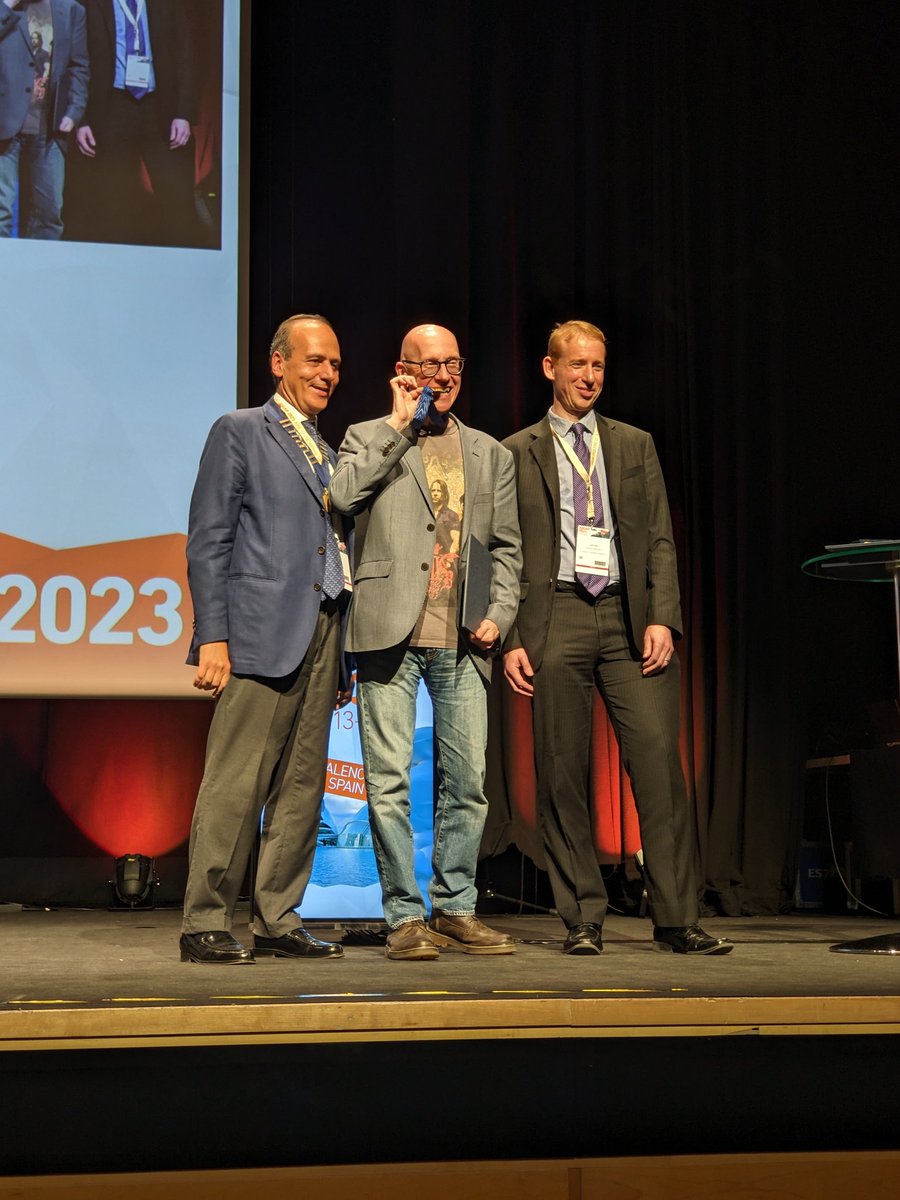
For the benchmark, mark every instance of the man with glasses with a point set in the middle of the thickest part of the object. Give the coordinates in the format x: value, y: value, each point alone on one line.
x: 600, y: 607
x: 405, y: 627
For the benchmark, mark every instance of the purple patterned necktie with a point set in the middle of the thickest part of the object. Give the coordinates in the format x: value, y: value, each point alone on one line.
x: 593, y: 583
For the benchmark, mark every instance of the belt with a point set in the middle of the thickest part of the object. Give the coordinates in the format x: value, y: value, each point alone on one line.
x: 572, y: 585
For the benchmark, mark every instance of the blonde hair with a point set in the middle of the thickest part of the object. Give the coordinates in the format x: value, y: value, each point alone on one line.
x: 566, y: 330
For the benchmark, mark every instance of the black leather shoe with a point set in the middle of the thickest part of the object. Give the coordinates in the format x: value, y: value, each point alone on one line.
x: 217, y: 946
x: 688, y: 939
x: 297, y: 944
x: 583, y: 939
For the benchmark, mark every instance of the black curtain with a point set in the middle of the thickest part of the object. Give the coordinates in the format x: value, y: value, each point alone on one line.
x: 711, y: 183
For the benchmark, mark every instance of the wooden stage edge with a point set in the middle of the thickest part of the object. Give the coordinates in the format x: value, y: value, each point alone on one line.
x: 684, y: 1177
x: 245, y: 1022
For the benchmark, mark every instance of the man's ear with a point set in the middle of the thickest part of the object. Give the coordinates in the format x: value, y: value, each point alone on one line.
x: 276, y: 364
x: 549, y: 368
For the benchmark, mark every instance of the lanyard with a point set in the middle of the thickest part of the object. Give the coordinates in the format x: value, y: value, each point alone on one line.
x: 315, y: 455
x: 134, y: 19
x: 585, y: 476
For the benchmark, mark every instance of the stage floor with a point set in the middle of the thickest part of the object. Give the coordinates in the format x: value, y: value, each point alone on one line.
x: 82, y: 978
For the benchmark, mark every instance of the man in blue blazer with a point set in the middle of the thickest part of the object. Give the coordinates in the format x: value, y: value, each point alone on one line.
x: 43, y: 92
x: 268, y: 573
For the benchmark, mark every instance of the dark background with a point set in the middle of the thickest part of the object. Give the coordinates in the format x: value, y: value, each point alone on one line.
x: 712, y: 184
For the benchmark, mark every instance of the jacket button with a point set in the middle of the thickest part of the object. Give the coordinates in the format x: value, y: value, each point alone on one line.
x: 424, y: 566
x: 317, y: 587
x: 321, y: 550
x: 430, y: 528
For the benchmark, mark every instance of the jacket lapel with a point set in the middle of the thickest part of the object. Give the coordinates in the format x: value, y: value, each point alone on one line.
x: 23, y: 30
x: 470, y: 448
x: 417, y: 468
x: 274, y: 418
x: 612, y: 459
x: 543, y: 452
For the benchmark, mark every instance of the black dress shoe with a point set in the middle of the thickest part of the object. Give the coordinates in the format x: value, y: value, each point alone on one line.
x: 297, y: 944
x: 583, y: 939
x: 688, y: 939
x: 217, y: 946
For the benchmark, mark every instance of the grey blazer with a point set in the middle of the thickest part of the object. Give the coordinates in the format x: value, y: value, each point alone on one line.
x: 380, y: 477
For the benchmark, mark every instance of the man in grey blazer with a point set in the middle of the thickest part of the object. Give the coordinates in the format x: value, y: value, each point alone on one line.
x: 600, y: 608
x: 427, y: 484
x: 44, y: 75
x: 268, y: 569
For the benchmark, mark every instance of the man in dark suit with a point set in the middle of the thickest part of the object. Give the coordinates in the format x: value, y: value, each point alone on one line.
x: 600, y: 608
x: 43, y: 91
x: 268, y: 570
x: 141, y: 106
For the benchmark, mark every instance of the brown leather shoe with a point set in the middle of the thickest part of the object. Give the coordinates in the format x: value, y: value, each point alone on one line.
x: 468, y: 934
x: 410, y: 940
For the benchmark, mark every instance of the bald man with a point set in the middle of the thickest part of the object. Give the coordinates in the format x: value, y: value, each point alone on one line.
x: 428, y: 484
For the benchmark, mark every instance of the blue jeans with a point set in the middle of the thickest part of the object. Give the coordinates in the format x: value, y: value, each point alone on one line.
x: 35, y: 167
x: 388, y: 681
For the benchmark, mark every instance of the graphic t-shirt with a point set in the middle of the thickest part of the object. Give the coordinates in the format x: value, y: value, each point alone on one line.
x: 443, y: 463
x: 40, y: 31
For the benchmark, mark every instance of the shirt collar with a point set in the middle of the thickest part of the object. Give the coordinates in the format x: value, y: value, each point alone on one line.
x: 562, y: 425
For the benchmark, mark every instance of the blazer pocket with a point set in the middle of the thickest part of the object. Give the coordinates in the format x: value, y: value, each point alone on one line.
x: 375, y: 568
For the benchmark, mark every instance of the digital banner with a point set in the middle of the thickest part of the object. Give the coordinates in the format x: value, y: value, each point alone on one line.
x: 119, y: 350
x: 344, y: 880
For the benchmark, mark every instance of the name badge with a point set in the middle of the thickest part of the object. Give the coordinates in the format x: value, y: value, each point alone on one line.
x: 345, y: 567
x: 137, y: 71
x: 592, y: 545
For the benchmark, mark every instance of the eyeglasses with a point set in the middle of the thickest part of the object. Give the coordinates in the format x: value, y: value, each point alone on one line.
x: 430, y: 366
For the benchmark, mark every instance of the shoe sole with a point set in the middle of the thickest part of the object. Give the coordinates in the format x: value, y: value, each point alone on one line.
x: 263, y: 953
x: 450, y: 944
x: 665, y: 948
x: 217, y: 962
x: 587, y: 948
x: 419, y: 952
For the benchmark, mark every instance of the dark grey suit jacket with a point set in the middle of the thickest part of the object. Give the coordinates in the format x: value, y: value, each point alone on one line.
x: 69, y: 71
x: 646, y: 549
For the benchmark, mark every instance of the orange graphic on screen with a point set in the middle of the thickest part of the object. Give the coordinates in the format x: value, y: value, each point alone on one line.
x: 105, y: 620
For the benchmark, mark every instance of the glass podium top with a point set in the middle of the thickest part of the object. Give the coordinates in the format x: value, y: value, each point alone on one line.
x: 875, y: 561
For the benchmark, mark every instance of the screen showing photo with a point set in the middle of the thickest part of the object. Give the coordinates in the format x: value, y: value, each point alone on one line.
x: 120, y: 333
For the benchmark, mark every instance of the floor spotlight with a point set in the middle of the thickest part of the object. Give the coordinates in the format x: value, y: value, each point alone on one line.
x: 134, y: 883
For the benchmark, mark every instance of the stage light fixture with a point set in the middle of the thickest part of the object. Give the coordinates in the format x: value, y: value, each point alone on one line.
x: 134, y: 882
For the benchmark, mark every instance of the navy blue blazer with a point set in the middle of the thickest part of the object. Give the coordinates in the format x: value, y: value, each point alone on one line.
x: 256, y: 544
x: 67, y: 90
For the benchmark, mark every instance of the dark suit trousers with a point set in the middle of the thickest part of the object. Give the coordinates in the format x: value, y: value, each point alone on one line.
x: 588, y: 647
x: 267, y: 749
x: 123, y: 211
